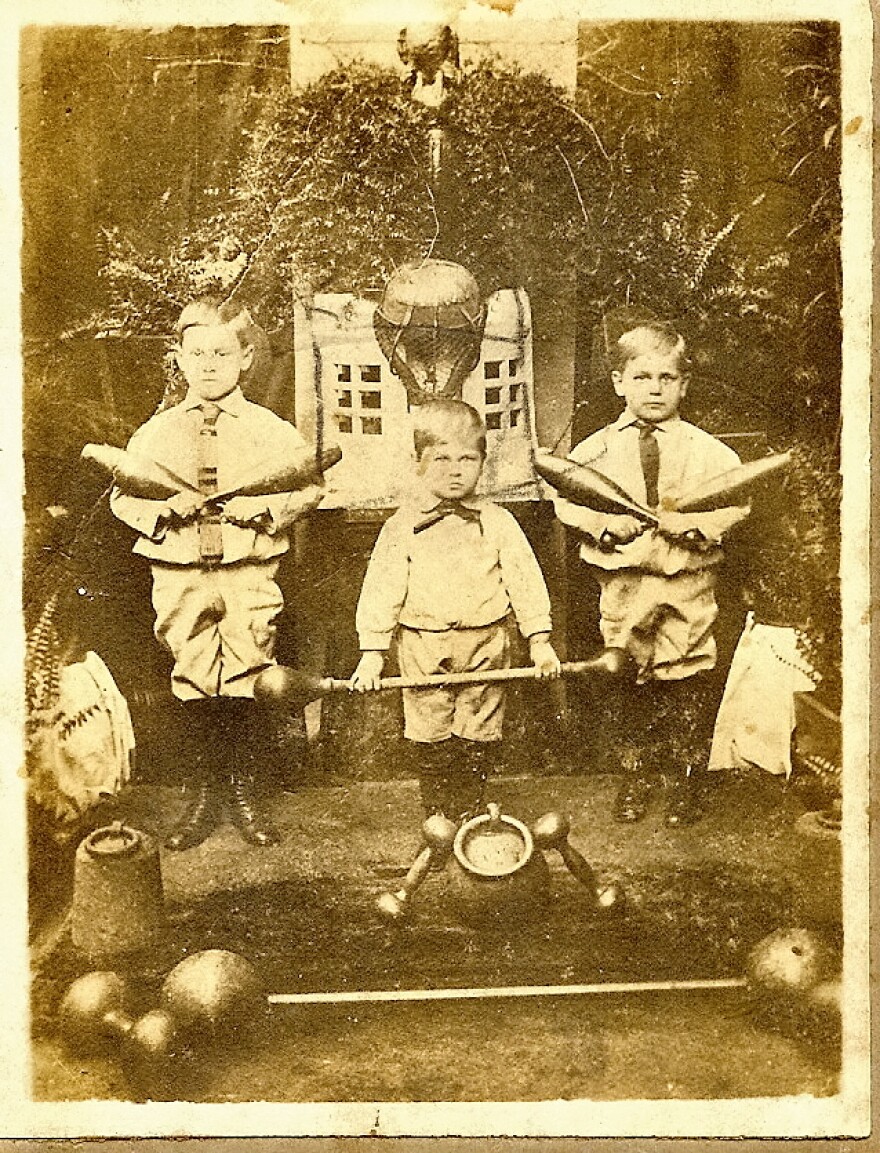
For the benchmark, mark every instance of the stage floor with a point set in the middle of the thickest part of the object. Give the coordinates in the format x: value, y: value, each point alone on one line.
x: 303, y: 912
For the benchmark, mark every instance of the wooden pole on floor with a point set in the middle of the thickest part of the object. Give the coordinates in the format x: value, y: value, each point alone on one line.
x: 360, y: 996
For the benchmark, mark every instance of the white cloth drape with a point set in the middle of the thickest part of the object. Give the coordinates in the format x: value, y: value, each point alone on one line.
x: 85, y: 743
x: 756, y: 718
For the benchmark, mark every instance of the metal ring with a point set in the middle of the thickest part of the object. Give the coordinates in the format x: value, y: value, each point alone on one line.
x: 484, y: 818
x: 126, y: 841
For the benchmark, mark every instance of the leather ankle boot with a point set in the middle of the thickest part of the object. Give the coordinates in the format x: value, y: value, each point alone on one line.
x: 241, y: 729
x: 255, y: 829
x: 200, y: 818
x: 196, y: 755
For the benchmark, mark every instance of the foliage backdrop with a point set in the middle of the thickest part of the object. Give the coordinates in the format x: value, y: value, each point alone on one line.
x: 695, y: 172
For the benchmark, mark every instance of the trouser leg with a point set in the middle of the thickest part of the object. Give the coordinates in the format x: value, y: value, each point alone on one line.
x: 635, y: 734
x: 690, y: 706
x: 479, y: 760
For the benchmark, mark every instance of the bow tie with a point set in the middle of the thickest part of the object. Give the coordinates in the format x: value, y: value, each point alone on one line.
x: 447, y: 508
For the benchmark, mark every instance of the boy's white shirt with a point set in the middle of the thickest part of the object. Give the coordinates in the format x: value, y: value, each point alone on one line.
x: 455, y: 574
x: 169, y: 438
x: 688, y: 456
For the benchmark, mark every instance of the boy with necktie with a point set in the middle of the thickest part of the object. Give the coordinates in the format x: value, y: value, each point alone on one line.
x: 214, y: 563
x: 657, y: 581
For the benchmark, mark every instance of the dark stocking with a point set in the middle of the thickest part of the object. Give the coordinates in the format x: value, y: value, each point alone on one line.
x: 198, y: 767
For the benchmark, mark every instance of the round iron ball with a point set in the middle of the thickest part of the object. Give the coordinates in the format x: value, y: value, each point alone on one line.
x: 790, y: 961
x: 550, y: 829
x: 273, y: 685
x: 94, y: 1012
x: 286, y: 688
x: 439, y: 832
x: 215, y: 992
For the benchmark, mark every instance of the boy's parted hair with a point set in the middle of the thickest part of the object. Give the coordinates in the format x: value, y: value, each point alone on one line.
x: 443, y: 419
x: 652, y: 336
x: 207, y: 310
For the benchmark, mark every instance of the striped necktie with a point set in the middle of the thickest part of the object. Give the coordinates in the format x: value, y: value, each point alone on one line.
x: 649, y: 454
x: 210, y: 528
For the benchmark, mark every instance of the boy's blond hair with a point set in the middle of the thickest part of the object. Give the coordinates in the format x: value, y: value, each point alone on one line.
x: 652, y: 336
x: 443, y: 419
x: 209, y: 310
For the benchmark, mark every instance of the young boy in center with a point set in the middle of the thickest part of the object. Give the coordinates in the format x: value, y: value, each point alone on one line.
x: 449, y: 573
x: 657, y: 582
x: 214, y: 563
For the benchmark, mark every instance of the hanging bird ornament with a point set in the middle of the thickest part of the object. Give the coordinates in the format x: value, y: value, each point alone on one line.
x: 430, y: 54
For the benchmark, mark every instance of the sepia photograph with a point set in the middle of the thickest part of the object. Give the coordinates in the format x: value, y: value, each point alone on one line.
x: 324, y: 315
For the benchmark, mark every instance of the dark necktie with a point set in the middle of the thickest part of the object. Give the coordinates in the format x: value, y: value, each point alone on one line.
x: 649, y: 454
x: 447, y: 508
x: 210, y: 528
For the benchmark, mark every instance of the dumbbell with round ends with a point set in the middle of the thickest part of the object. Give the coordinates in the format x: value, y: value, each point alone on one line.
x: 438, y: 833
x: 551, y: 832
x: 95, y: 1016
x: 214, y: 993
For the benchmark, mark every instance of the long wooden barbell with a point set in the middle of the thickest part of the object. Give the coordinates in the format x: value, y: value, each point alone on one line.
x: 292, y: 688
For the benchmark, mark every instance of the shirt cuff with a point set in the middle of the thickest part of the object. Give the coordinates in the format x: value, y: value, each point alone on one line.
x: 160, y: 528
x: 378, y: 641
x: 533, y: 625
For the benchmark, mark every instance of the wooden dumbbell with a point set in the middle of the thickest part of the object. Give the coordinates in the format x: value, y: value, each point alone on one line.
x: 94, y: 1017
x: 551, y: 832
x: 439, y: 834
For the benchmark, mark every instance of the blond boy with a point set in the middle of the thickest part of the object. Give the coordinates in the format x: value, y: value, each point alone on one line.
x: 214, y: 563
x: 657, y: 582
x: 449, y: 574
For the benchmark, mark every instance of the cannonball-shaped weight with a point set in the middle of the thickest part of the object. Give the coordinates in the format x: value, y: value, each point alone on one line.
x: 214, y: 992
x: 273, y: 685
x: 550, y: 829
x: 611, y: 899
x: 285, y: 688
x: 94, y: 1012
x: 149, y: 1055
x: 504, y: 903
x: 391, y: 906
x: 790, y: 961
x: 439, y: 832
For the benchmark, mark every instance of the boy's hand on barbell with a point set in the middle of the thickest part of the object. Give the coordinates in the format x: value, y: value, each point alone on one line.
x: 544, y: 658
x: 368, y: 675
